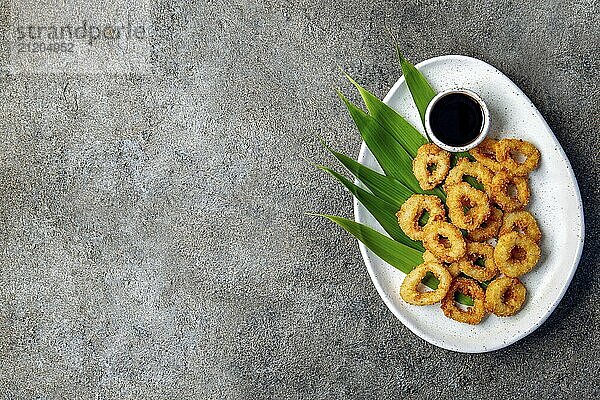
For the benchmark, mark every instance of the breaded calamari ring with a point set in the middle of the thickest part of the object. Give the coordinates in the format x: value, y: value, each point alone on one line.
x: 472, y: 315
x: 485, y: 153
x: 476, y: 251
x: 463, y: 195
x: 413, y: 208
x: 516, y: 254
x: 431, y: 165
x: 504, y: 154
x: 522, y: 222
x: 444, y: 241
x: 501, y: 191
x: 505, y: 296
x: 488, y: 228
x: 429, y: 257
x: 451, y: 267
x: 409, y: 290
x: 463, y: 168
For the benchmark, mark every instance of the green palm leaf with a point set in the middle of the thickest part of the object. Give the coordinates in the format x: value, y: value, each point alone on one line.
x: 420, y: 89
x: 396, y: 254
x: 384, y: 212
x: 382, y: 186
x: 390, y: 155
x: 422, y: 93
x: 404, y: 133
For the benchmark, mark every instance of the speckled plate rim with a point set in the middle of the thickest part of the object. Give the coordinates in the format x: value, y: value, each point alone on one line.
x: 366, y: 254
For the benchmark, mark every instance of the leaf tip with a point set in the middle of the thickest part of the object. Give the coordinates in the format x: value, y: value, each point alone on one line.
x: 309, y: 162
x: 322, y: 168
x: 341, y: 96
x: 401, y: 57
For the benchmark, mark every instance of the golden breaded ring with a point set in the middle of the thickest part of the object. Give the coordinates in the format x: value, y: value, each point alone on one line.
x: 475, y: 251
x: 444, y: 241
x: 428, y: 156
x: 472, y: 315
x: 504, y: 154
x: 505, y: 296
x: 516, y: 254
x: 501, y: 191
x: 451, y: 267
x: 485, y: 153
x: 463, y: 195
x: 522, y: 222
x: 413, y: 208
x: 409, y: 291
x: 488, y: 228
x: 466, y: 168
x: 429, y: 257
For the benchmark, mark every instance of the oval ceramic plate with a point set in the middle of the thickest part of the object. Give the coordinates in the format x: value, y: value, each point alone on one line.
x: 555, y: 202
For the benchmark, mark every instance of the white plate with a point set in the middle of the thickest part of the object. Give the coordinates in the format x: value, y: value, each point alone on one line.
x: 555, y: 202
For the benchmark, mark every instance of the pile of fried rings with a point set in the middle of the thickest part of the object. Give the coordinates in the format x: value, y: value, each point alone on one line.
x: 485, y: 241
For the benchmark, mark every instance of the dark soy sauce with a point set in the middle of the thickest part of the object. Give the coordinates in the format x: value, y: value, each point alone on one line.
x: 456, y: 119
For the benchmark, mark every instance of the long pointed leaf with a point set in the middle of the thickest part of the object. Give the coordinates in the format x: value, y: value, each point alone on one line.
x: 422, y: 93
x: 382, y: 186
x: 420, y: 89
x: 392, y: 157
x: 404, y: 133
x: 384, y: 213
x: 396, y: 254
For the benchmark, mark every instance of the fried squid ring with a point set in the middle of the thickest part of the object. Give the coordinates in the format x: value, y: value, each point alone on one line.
x: 431, y: 165
x: 429, y: 257
x: 516, y: 254
x: 502, y: 194
x: 472, y: 315
x: 488, y: 228
x: 505, y: 151
x: 475, y: 251
x: 522, y: 222
x: 413, y: 208
x: 466, y: 168
x: 409, y: 290
x: 485, y: 153
x: 444, y: 241
x: 451, y: 267
x: 505, y: 296
x: 463, y: 195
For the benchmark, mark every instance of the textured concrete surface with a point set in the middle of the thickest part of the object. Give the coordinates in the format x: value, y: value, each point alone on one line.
x: 152, y: 232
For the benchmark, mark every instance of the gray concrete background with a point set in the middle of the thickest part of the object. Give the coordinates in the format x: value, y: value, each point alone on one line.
x: 152, y: 232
